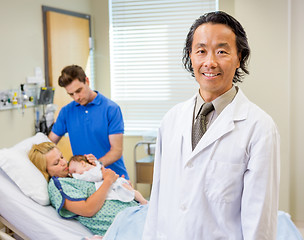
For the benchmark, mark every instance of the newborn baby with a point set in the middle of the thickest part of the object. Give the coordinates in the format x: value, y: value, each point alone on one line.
x: 80, y: 168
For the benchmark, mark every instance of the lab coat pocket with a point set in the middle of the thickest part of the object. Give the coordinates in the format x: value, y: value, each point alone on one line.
x: 224, y: 182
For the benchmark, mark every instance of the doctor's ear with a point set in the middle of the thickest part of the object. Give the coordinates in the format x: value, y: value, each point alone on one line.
x: 87, y: 81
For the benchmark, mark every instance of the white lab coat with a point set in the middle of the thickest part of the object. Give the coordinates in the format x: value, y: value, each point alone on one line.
x: 227, y: 188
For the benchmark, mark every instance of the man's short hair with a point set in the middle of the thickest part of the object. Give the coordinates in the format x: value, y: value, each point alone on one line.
x: 69, y: 74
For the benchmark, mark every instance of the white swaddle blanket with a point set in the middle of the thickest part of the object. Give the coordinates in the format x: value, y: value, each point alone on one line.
x: 117, y: 191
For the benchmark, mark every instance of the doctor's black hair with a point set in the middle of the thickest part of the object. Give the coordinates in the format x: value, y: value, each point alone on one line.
x: 242, y: 45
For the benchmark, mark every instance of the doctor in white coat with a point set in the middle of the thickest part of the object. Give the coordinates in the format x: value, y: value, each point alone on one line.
x: 227, y: 186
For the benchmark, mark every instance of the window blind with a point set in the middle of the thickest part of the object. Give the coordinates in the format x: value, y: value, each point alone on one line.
x: 146, y: 46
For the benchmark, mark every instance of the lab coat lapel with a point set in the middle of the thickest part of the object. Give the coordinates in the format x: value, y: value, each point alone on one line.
x: 186, y: 123
x: 225, y: 122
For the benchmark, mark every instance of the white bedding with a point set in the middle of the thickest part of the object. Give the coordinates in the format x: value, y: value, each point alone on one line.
x: 32, y: 219
x: 41, y: 221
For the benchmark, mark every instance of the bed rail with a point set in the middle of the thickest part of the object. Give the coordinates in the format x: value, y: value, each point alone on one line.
x: 6, y: 236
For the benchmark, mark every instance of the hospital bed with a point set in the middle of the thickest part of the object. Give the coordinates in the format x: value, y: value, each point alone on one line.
x: 24, y: 204
x: 25, y: 209
x: 30, y: 220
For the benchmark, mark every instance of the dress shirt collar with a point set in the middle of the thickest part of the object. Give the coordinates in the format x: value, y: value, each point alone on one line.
x: 219, y: 103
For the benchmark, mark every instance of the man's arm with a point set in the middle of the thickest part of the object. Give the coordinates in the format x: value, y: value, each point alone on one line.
x: 115, y: 152
x: 54, y: 137
x: 261, y: 187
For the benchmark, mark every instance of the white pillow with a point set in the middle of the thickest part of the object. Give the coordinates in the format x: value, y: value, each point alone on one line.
x: 27, y: 144
x: 16, y: 164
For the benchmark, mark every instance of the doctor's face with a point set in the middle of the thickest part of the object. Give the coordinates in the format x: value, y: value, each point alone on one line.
x: 79, y: 91
x: 214, y: 59
x: 56, y: 165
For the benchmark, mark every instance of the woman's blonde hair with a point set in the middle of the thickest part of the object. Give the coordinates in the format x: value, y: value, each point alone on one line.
x: 37, y: 156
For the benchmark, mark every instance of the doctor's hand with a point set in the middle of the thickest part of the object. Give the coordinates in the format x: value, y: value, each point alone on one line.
x: 91, y: 158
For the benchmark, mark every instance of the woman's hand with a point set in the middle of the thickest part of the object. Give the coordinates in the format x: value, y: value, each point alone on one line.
x: 94, y: 203
x: 109, y: 175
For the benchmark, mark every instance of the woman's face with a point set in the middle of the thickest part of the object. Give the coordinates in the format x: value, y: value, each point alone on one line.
x: 56, y: 165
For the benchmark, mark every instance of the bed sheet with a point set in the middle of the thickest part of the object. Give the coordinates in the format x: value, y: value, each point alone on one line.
x: 34, y: 220
x: 42, y: 222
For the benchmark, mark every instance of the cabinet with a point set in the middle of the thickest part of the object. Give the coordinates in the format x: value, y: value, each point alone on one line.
x: 144, y: 166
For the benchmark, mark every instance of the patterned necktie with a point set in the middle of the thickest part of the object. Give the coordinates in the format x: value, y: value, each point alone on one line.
x: 200, y: 125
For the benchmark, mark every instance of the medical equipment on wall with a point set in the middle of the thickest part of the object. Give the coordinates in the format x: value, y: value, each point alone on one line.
x: 21, y: 98
x: 45, y: 110
x: 25, y: 96
x: 31, y: 95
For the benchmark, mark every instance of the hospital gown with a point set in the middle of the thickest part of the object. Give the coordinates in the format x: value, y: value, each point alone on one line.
x: 76, y: 190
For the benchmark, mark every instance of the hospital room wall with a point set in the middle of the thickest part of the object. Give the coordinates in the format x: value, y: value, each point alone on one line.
x: 274, y: 82
x: 269, y: 81
x: 296, y: 110
x: 21, y: 51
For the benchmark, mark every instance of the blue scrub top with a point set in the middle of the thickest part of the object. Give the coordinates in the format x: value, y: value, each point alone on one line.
x: 89, y: 128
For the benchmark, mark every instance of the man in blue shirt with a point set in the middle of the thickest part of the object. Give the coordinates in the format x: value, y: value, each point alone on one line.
x: 94, y: 123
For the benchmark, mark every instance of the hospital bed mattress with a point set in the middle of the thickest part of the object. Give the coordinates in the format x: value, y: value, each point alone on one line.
x: 35, y: 221
x: 32, y: 219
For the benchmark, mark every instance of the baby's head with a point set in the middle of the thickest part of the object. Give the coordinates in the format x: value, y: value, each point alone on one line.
x: 79, y: 164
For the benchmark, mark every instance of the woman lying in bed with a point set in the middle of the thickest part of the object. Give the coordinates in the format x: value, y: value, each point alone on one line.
x: 75, y: 198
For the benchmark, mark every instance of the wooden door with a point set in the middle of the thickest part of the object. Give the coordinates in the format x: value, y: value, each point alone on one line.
x: 67, y: 43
